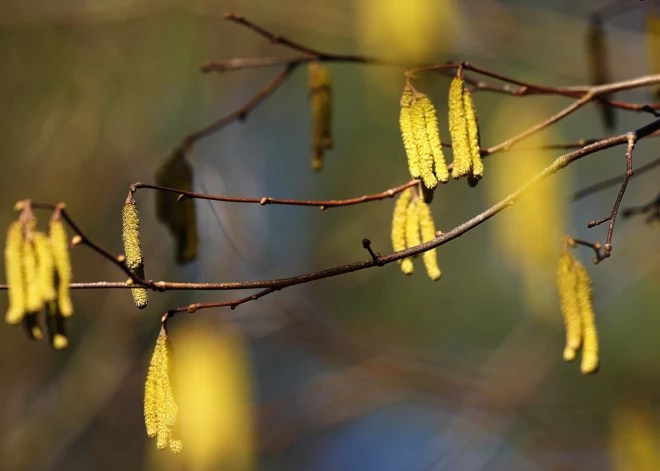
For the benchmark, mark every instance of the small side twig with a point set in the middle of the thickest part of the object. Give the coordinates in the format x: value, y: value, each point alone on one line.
x: 595, y: 246
x: 607, y: 249
x: 366, y: 243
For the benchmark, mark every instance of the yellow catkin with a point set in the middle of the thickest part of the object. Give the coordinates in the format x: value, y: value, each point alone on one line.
x: 598, y: 66
x: 427, y: 228
x: 407, y: 135
x: 590, y: 362
x: 399, y: 228
x: 567, y: 287
x: 653, y: 46
x: 33, y: 301
x: 46, y: 267
x: 31, y: 325
x: 458, y: 129
x: 132, y: 249
x: 55, y: 324
x: 433, y: 134
x: 473, y: 138
x: 160, y: 408
x: 180, y: 217
x: 320, y: 87
x: 425, y: 152
x: 60, y: 249
x: 14, y: 269
x: 412, y: 225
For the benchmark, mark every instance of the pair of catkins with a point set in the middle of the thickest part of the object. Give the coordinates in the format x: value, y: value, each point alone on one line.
x: 38, y: 275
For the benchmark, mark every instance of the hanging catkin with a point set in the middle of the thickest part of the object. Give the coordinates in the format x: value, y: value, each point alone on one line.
x: 473, y: 137
x: 132, y: 249
x: 590, y: 362
x: 407, y: 134
x: 427, y: 228
x: 399, y: 228
x: 567, y: 287
x: 14, y: 269
x: 458, y: 129
x: 60, y: 246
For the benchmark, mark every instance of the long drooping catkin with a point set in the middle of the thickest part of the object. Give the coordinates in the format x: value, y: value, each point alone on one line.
x: 320, y: 87
x: 472, y: 122
x: 399, y: 228
x: 407, y: 134
x: 33, y: 301
x: 427, y: 228
x: 590, y: 361
x: 132, y: 249
x: 567, y: 287
x: 412, y: 224
x: 60, y: 245
x: 459, y: 131
x: 426, y: 161
x: 14, y: 269
x: 46, y: 267
x: 160, y: 409
x: 433, y: 135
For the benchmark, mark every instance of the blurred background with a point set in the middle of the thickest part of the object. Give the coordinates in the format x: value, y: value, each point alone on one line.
x: 368, y: 371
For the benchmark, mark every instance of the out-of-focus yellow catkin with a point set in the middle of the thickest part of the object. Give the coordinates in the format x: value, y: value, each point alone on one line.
x: 567, y: 287
x: 473, y: 136
x: 653, y: 46
x: 427, y: 227
x: 433, y: 135
x: 426, y: 163
x: 590, y: 363
x: 399, y: 228
x: 412, y: 225
x: 320, y: 87
x: 407, y: 134
x: 458, y: 129
x: 633, y: 434
x: 132, y: 249
x: 598, y: 66
x: 33, y: 301
x: 60, y: 249
x: 46, y: 267
x: 14, y: 269
x: 160, y: 409
x: 55, y: 325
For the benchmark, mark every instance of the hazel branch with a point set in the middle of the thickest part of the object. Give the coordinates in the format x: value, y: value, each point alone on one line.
x: 323, y: 204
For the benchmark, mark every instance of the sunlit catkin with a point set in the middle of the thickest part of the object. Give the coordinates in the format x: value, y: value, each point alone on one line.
x: 60, y: 247
x: 458, y: 129
x: 567, y: 287
x: 14, y: 269
x: 427, y: 228
x: 598, y: 66
x: 33, y: 302
x: 399, y: 228
x: 426, y: 163
x: 407, y: 134
x: 320, y: 87
x: 590, y: 363
x: 412, y: 225
x: 160, y: 409
x: 132, y: 249
x: 473, y: 136
x: 46, y: 267
x: 653, y: 46
x: 433, y: 134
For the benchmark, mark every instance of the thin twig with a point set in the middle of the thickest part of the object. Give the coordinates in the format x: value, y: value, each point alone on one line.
x: 607, y: 249
x: 595, y: 246
x: 184, y: 195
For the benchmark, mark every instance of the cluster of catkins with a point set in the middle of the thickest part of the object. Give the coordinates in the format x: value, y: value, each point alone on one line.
x: 576, y: 303
x: 38, y: 275
x: 320, y: 89
x: 411, y: 217
x: 160, y: 409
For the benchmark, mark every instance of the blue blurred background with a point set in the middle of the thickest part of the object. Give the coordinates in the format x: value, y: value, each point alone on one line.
x: 371, y: 371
